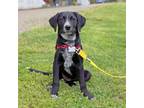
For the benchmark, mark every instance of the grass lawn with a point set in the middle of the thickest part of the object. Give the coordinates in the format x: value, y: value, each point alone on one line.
x: 103, y: 39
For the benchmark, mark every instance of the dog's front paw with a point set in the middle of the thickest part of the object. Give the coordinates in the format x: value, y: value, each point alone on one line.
x: 54, y: 96
x: 92, y: 98
x: 89, y: 95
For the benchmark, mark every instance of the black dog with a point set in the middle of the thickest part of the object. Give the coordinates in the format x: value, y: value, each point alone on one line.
x: 67, y: 64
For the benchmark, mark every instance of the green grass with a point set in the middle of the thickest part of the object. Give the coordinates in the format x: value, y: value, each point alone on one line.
x: 103, y: 39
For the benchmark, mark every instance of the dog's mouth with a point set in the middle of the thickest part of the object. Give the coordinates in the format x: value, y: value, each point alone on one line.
x: 69, y: 33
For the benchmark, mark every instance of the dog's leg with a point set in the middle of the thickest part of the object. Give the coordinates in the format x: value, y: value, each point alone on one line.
x: 82, y: 82
x: 55, y: 85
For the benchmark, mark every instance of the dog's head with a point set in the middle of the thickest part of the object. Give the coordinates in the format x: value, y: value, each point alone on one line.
x: 67, y: 22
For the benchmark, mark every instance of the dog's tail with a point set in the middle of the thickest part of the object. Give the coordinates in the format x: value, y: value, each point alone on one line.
x: 38, y: 71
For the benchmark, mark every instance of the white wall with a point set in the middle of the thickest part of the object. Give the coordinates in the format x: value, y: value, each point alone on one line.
x: 26, y: 4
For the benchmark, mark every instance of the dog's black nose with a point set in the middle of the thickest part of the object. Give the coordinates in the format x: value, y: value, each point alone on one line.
x: 67, y: 27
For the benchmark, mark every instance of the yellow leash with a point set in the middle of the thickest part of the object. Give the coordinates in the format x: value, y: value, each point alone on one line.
x: 84, y: 56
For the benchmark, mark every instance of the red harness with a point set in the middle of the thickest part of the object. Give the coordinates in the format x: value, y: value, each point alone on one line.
x: 63, y: 46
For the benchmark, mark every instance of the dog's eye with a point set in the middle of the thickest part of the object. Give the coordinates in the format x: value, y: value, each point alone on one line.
x: 64, y: 17
x: 72, y: 18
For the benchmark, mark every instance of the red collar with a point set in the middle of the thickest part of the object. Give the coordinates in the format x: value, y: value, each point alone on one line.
x: 63, y: 46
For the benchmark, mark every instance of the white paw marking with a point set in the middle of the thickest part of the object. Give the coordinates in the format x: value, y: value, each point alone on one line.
x: 92, y: 98
x: 54, y: 96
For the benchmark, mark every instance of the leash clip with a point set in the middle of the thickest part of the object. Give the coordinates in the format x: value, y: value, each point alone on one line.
x: 81, y: 53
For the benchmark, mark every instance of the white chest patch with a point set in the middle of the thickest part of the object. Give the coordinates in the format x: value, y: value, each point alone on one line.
x: 68, y: 60
x: 71, y: 49
x: 69, y: 52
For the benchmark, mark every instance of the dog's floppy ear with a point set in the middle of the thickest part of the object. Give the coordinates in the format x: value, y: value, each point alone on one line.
x: 81, y: 21
x: 53, y: 21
